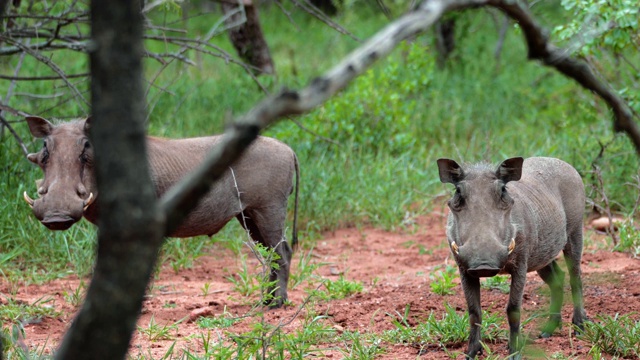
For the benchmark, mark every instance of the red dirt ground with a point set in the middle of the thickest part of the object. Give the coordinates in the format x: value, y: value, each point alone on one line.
x: 395, y: 273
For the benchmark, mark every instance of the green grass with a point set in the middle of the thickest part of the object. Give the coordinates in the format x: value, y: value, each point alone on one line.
x: 389, y: 127
x: 442, y: 281
x: 156, y: 332
x: 336, y: 289
x: 614, y: 335
x: 501, y: 283
x: 443, y: 329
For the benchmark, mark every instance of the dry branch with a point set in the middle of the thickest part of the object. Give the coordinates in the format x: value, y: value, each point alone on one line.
x: 541, y: 49
x: 182, y: 198
x: 37, y: 35
x: 179, y: 200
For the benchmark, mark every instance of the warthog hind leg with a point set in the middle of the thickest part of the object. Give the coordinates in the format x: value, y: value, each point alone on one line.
x: 554, y: 277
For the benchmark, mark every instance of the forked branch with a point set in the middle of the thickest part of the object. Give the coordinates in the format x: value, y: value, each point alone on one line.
x: 178, y: 201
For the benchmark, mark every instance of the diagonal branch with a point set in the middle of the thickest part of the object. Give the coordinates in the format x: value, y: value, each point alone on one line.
x: 541, y: 49
x: 53, y: 67
x: 180, y: 199
x: 6, y: 124
x: 177, y: 203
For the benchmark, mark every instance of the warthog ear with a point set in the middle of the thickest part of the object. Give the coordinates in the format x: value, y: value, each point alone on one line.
x: 450, y: 171
x: 87, y: 125
x: 38, y: 126
x: 510, y: 169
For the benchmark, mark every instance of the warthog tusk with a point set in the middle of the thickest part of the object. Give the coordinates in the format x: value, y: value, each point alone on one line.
x: 29, y: 200
x: 88, y: 202
x: 454, y: 247
x: 512, y: 245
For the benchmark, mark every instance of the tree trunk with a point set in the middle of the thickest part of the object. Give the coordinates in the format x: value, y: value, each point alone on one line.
x: 326, y: 6
x: 130, y: 230
x: 445, y: 39
x: 247, y: 37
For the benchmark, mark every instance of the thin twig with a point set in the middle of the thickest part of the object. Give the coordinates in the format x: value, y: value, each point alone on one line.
x: 55, y: 68
x: 323, y: 138
x: 6, y: 124
x: 287, y: 14
x: 307, y: 6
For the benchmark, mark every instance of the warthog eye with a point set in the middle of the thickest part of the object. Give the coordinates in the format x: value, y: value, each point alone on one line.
x: 86, y: 157
x: 45, y: 153
x: 505, y: 199
x: 457, y: 201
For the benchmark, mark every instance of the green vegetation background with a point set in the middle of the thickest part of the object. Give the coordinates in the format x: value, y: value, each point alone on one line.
x: 387, y: 129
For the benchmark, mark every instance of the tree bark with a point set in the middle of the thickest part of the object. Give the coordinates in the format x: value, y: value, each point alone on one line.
x: 130, y: 231
x: 326, y: 6
x: 445, y: 30
x: 247, y: 37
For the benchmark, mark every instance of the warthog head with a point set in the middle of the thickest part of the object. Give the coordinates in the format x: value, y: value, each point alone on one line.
x: 66, y: 158
x: 479, y: 228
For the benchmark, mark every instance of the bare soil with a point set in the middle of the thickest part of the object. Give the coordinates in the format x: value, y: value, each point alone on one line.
x: 394, y: 268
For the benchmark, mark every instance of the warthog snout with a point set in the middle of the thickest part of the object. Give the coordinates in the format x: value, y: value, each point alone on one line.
x: 483, y: 271
x: 481, y: 260
x: 58, y: 222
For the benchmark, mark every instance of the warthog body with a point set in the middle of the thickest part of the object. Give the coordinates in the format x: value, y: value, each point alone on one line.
x: 255, y: 191
x: 513, y: 220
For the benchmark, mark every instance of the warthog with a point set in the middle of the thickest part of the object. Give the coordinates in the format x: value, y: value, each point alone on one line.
x: 255, y: 191
x: 513, y: 220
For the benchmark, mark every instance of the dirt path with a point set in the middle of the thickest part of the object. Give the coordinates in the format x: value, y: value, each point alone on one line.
x: 394, y: 269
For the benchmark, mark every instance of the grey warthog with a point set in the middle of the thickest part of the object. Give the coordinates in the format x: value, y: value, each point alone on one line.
x: 514, y: 219
x: 255, y: 191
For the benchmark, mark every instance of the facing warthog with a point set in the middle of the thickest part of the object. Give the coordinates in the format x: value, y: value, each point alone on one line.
x: 513, y: 220
x: 255, y: 190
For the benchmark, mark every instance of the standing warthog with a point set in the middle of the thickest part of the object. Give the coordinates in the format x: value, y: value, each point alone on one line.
x: 513, y: 220
x: 255, y: 191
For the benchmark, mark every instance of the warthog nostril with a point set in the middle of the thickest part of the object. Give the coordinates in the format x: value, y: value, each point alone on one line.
x: 483, y: 271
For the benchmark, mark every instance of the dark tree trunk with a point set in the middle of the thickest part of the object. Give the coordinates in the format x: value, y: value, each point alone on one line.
x: 247, y: 37
x: 130, y: 230
x: 326, y: 6
x: 445, y: 30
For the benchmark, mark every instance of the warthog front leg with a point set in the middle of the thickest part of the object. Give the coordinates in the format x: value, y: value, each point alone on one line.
x: 471, y: 287
x: 513, y: 311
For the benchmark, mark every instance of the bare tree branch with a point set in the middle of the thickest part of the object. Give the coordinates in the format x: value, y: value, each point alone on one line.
x: 307, y: 6
x: 550, y: 55
x: 53, y: 66
x: 501, y: 37
x: 6, y: 124
x: 247, y: 37
x: 179, y: 200
x: 42, y: 78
